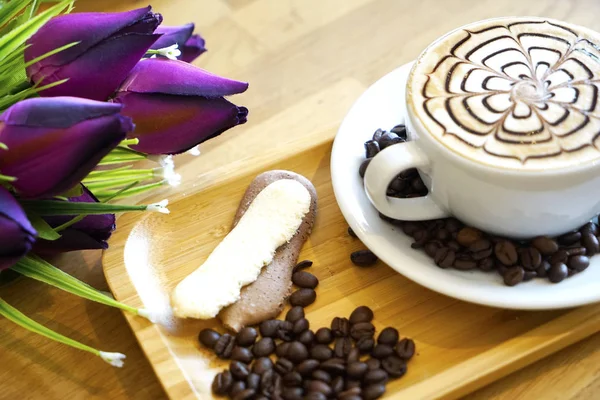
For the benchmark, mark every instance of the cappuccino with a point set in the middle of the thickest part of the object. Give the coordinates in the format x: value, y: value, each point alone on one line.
x: 516, y: 93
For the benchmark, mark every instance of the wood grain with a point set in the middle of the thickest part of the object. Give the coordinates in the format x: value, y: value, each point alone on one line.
x: 299, y: 56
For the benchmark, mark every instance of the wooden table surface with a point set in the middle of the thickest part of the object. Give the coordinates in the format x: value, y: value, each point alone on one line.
x: 306, y: 61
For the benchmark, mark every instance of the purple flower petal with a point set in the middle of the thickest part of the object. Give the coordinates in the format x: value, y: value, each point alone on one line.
x: 191, y: 46
x: 155, y: 75
x: 16, y: 233
x: 167, y: 124
x: 99, y: 71
x: 87, y: 28
x: 49, y: 160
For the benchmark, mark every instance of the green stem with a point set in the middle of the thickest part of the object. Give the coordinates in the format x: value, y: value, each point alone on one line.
x: 70, y: 222
x: 117, y: 173
x: 48, y: 54
x: 127, y: 193
x: 7, y: 178
x: 52, y: 207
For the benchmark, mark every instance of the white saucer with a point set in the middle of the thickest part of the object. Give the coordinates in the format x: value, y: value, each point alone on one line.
x: 381, y: 106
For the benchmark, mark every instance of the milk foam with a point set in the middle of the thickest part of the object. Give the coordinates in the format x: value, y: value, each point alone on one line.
x: 519, y: 93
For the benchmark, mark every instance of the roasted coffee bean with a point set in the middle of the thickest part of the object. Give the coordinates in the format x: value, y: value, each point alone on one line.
x: 342, y: 347
x: 542, y: 270
x: 284, y: 331
x: 340, y: 326
x: 375, y: 376
x: 352, y: 233
x: 306, y: 367
x: 373, y: 363
x: 300, y: 326
x: 306, y: 338
x: 222, y: 382
x: 357, y: 369
x: 353, y: 384
x: 452, y: 225
x: 464, y: 263
x: 319, y: 387
x: 246, y: 337
x: 337, y: 385
x: 467, y: 236
x: 569, y: 238
x: 398, y: 184
x: 315, y: 396
x: 239, y: 370
x: 514, y: 275
x: 591, y: 244
x: 294, y: 314
x: 236, y: 388
x: 244, y: 394
x: 282, y: 349
x: 388, y: 139
x: 572, y: 272
x: 350, y: 397
x: 371, y: 148
x: 545, y: 245
x: 361, y: 314
x: 530, y: 258
x: 578, y: 263
x: 411, y: 227
x: 408, y: 173
x: 260, y: 397
x: 303, y: 297
x: 442, y: 234
x: 444, y: 257
x: 487, y: 264
x: 269, y: 327
x: 264, y: 347
x: 261, y: 365
x: 480, y: 245
x: 417, y: 185
x: 590, y: 227
x: 352, y: 389
x: 382, y: 351
x: 363, y: 258
x: 394, y: 366
x: 480, y: 255
x: 242, y: 354
x: 501, y: 268
x: 400, y: 130
x: 292, y: 379
x: 362, y: 329
x: 353, y: 356
x: 283, y: 366
x: 506, y: 252
x: 373, y: 392
x: 405, y: 349
x: 529, y: 275
x: 576, y: 251
x: 557, y: 272
x: 324, y: 336
x: 305, y: 279
x: 297, y: 352
x: 209, y: 337
x: 431, y: 248
x: 267, y: 383
x: 302, y: 265
x: 454, y: 246
x: 421, y: 237
x: 224, y: 346
x: 377, y: 135
x: 321, y: 352
x: 253, y: 380
x: 293, y: 393
x: 334, y: 366
x: 560, y: 256
x: 388, y: 336
x: 365, y: 344
x: 321, y: 375
x: 363, y: 167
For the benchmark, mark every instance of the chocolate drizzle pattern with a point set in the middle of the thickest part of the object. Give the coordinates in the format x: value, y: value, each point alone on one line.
x: 514, y: 89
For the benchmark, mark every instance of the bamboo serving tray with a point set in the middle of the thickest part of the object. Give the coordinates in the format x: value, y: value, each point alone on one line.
x: 460, y: 346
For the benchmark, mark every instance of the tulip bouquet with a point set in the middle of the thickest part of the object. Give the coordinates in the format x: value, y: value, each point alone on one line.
x: 83, y: 98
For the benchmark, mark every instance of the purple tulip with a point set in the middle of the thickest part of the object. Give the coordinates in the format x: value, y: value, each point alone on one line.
x: 191, y: 46
x: 91, y: 232
x: 53, y: 143
x: 16, y: 233
x: 110, y: 45
x: 176, y: 106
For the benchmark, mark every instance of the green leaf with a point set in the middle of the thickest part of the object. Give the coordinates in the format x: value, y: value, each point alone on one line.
x: 12, y: 8
x: 44, y: 230
x: 52, y: 207
x: 16, y: 37
x: 75, y: 191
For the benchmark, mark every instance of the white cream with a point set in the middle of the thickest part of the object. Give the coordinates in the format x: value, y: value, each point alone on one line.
x: 270, y: 221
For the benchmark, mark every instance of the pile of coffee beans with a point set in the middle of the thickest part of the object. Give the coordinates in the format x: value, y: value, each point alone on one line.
x: 285, y: 359
x: 451, y: 244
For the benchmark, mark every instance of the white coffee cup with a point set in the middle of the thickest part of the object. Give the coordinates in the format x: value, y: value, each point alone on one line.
x: 550, y: 195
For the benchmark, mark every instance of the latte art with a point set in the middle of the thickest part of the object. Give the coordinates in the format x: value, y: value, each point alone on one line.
x: 512, y: 92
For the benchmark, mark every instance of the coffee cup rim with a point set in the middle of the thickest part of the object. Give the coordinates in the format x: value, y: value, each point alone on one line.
x: 417, y: 123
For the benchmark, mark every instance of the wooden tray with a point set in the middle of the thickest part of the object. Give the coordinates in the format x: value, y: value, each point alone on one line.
x: 461, y: 346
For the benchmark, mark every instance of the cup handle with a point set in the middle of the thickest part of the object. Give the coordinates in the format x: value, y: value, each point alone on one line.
x: 384, y: 167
